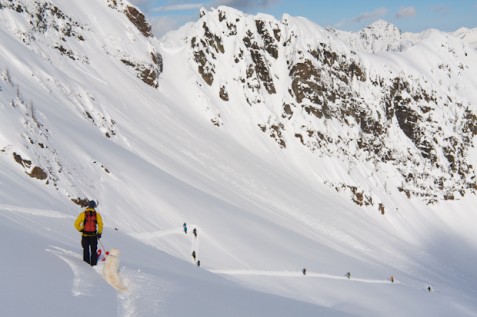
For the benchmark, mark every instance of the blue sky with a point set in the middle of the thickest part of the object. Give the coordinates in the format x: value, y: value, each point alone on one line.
x: 347, y: 15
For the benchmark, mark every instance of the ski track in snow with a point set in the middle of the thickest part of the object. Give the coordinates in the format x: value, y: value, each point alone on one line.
x: 299, y: 274
x: 143, y: 289
x: 81, y: 283
x: 33, y: 211
x: 142, y: 293
x: 165, y: 233
x: 195, y: 247
x: 92, y: 76
x: 143, y: 296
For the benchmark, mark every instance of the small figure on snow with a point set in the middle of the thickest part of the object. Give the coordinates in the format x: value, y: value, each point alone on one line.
x: 303, y: 271
x: 195, y: 232
x: 391, y: 279
x: 429, y: 289
x: 185, y: 227
x: 90, y: 224
x: 198, y: 263
x: 193, y: 255
x: 348, y: 275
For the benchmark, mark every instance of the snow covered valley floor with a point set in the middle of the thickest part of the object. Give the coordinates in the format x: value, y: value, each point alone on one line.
x: 43, y: 275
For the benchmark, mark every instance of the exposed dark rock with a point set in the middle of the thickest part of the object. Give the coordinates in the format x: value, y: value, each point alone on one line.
x: 138, y: 19
x: 268, y: 40
x: 42, y: 17
x: 358, y: 196
x: 82, y: 202
x: 381, y: 208
x: 203, y: 55
x: 329, y: 89
x: 287, y: 111
x: 38, y: 173
x: 223, y: 94
x: 260, y: 65
x: 134, y: 15
x: 157, y: 59
x: 213, y: 40
x: 306, y: 82
x: 21, y: 161
x: 275, y: 132
x: 206, y: 70
x: 148, y: 72
x: 66, y: 52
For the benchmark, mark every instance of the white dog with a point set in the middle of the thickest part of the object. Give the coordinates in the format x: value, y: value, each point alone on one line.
x: 111, y: 270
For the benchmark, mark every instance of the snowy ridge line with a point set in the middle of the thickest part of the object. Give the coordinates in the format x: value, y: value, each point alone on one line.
x: 299, y: 274
x: 34, y: 211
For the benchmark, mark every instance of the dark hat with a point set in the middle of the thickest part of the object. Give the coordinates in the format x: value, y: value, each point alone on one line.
x: 92, y: 204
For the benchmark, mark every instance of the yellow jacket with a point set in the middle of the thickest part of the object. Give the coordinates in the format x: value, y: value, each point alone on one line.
x: 80, y: 222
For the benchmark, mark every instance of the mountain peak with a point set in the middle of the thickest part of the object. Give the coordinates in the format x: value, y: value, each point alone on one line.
x: 223, y: 12
x: 467, y: 35
x: 381, y: 29
x: 382, y: 26
x: 381, y: 36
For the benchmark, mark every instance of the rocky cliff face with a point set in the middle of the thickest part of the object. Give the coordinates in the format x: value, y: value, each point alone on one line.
x: 147, y: 70
x: 334, y: 102
x: 392, y: 105
x: 65, y: 33
x: 66, y: 40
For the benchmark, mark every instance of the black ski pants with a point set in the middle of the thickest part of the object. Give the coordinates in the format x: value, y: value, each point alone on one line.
x: 90, y: 246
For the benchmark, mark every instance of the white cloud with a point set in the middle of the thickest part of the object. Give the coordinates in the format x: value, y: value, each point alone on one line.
x: 406, y: 12
x: 367, y: 16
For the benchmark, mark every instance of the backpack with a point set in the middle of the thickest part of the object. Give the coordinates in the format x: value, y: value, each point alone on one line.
x: 89, y: 225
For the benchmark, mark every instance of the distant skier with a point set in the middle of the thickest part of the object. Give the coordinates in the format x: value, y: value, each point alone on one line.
x: 195, y: 232
x: 304, y: 271
x: 198, y: 263
x: 193, y: 255
x: 348, y: 275
x: 90, y: 224
x: 391, y: 279
x: 185, y: 227
x: 429, y: 289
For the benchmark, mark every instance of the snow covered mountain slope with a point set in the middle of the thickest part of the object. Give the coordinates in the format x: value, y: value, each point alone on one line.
x: 305, y: 88
x: 283, y: 145
x: 382, y: 36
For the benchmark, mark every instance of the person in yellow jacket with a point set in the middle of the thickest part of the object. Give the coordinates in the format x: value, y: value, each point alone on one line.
x: 90, y: 224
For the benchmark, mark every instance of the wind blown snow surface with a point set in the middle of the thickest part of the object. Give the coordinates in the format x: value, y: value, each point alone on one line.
x: 154, y: 161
